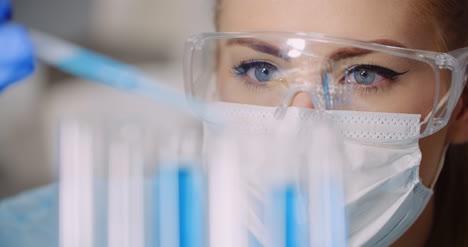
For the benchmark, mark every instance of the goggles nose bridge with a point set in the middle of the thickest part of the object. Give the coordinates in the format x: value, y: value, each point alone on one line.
x: 313, y: 100
x: 321, y: 96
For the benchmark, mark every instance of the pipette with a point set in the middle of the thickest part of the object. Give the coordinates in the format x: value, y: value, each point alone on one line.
x: 101, y: 69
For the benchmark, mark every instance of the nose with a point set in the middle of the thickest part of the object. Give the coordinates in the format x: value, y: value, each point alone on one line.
x: 302, y: 99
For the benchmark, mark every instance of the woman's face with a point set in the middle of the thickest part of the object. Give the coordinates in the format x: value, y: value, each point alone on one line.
x: 394, y: 20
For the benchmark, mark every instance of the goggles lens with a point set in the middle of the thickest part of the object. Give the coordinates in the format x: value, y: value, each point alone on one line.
x: 275, y: 71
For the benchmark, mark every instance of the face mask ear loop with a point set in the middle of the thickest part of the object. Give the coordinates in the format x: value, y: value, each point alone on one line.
x: 439, y: 168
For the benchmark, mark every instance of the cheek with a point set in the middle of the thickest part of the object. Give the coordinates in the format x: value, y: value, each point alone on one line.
x: 432, y: 150
x: 418, y: 95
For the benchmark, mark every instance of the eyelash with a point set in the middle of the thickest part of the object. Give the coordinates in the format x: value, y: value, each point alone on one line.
x: 387, y: 74
x: 382, y: 71
x: 249, y: 63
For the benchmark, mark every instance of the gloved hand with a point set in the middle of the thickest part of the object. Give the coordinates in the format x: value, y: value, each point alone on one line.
x: 16, y: 51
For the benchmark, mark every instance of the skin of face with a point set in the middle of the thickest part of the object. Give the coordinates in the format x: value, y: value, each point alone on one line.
x: 362, y: 20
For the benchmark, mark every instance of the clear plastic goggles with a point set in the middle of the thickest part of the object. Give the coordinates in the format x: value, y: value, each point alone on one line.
x: 283, y: 69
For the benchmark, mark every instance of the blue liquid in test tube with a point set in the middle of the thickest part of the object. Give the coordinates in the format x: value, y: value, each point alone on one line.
x: 286, y: 227
x: 180, y: 207
x: 191, y: 205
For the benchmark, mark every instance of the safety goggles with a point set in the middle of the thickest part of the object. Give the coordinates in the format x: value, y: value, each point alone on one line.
x: 282, y: 69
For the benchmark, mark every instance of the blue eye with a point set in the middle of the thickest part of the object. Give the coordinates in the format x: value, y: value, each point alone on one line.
x: 366, y: 74
x: 257, y: 71
x: 364, y: 77
x: 264, y: 73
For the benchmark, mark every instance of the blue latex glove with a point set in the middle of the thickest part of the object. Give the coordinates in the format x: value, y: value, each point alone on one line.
x: 16, y: 50
x: 30, y: 219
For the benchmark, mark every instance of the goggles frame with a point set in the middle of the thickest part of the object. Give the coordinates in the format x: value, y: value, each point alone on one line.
x: 456, y: 61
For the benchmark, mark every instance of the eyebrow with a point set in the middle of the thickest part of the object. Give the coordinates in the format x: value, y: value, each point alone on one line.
x: 260, y: 46
x: 349, y: 52
x: 340, y: 54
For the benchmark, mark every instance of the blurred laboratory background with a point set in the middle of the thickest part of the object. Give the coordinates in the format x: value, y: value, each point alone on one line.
x: 149, y: 34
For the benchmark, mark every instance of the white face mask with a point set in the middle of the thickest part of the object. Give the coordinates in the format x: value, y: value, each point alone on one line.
x: 384, y: 195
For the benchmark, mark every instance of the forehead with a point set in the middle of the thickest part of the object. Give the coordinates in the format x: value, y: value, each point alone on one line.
x: 358, y: 19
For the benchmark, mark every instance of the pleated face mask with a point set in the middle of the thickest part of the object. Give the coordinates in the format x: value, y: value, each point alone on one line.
x: 382, y: 99
x: 382, y: 188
